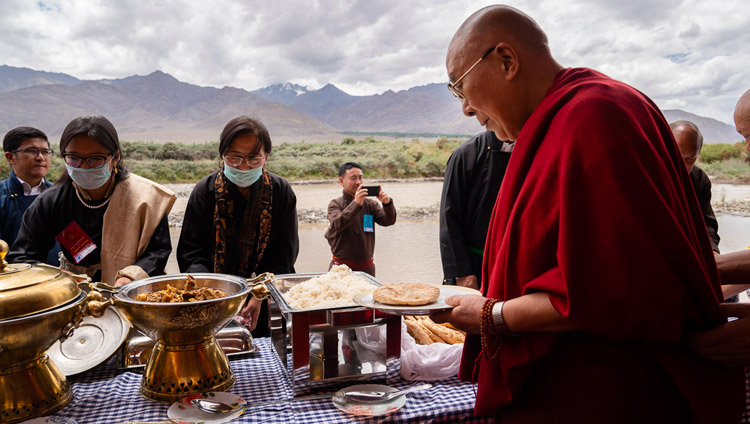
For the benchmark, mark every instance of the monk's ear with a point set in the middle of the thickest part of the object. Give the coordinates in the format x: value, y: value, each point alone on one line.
x: 509, y: 60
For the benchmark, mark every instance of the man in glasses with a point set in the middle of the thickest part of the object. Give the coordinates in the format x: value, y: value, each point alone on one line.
x: 594, y: 270
x: 28, y: 152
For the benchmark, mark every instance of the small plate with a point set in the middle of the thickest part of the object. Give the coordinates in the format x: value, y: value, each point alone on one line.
x: 184, y: 412
x: 94, y: 341
x: 367, y: 301
x: 369, y: 409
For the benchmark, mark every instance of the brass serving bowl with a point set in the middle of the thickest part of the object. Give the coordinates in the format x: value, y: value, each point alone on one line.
x: 186, y: 358
x: 39, y: 304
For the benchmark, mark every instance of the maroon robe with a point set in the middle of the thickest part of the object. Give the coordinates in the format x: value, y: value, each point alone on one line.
x: 595, y: 210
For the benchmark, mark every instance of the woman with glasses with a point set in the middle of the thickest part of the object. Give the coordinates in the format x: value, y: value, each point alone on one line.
x: 111, y: 224
x: 242, y: 219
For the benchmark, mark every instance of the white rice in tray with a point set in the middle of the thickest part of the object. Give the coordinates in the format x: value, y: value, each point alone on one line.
x: 335, y: 288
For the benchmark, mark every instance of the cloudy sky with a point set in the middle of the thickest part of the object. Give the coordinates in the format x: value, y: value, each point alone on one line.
x: 686, y: 54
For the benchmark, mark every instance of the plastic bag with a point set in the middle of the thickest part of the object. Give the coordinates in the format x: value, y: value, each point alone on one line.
x: 437, y: 361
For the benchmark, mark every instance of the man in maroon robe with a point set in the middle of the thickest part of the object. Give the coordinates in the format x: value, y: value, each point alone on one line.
x: 730, y: 343
x: 592, y: 248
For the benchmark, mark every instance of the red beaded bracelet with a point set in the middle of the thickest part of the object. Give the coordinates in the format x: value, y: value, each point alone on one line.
x: 492, y: 343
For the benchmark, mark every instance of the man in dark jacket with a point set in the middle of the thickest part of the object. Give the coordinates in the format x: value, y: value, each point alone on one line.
x: 472, y: 179
x: 28, y: 153
x: 690, y: 141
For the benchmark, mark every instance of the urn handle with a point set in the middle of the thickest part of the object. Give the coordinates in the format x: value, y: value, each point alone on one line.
x: 259, y: 290
x: 3, y: 251
x: 95, y: 303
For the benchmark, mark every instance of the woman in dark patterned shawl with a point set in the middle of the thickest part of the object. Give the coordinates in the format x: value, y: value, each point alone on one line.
x: 242, y: 219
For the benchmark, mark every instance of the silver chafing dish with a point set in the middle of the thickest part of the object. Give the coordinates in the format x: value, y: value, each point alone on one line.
x: 319, y: 346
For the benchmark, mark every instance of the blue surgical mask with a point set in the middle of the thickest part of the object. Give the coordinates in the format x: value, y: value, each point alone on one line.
x: 89, y: 179
x: 242, y: 178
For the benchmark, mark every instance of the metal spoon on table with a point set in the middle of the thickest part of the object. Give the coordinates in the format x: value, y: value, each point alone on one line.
x: 216, y: 407
x: 362, y: 396
x: 376, y: 396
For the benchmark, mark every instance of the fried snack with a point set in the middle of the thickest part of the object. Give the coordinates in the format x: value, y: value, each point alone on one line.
x: 413, y: 294
x: 449, y: 325
x: 418, y: 331
x: 426, y: 331
x: 445, y: 333
x: 433, y: 335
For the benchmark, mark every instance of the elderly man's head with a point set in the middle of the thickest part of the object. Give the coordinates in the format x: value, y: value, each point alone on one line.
x: 500, y: 67
x: 742, y: 118
x: 689, y: 140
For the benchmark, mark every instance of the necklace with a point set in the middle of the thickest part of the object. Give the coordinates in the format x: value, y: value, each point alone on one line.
x: 89, y: 206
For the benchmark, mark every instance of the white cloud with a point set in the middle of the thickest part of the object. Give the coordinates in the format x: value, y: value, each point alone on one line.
x: 690, y: 54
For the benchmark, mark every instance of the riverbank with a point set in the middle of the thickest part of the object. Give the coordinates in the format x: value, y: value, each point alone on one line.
x: 418, y: 199
x: 410, y: 250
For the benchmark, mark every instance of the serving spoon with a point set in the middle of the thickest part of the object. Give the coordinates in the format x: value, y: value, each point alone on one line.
x: 377, y: 396
x: 216, y: 407
x: 362, y: 396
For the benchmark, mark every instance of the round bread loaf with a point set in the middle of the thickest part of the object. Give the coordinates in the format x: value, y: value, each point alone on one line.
x: 413, y: 294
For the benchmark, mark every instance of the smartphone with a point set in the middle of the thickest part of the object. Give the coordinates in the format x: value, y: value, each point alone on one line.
x: 372, y: 190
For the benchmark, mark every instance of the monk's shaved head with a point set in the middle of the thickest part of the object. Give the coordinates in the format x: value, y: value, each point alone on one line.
x: 689, y: 140
x: 742, y: 118
x: 493, y: 24
x: 692, y: 133
x: 500, y: 65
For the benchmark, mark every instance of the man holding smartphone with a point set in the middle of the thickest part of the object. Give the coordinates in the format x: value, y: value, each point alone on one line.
x: 352, y: 218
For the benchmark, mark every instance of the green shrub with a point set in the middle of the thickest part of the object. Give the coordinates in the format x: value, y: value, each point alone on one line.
x: 719, y: 152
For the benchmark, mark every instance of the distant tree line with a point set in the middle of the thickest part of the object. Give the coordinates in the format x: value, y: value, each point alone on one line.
x: 186, y: 163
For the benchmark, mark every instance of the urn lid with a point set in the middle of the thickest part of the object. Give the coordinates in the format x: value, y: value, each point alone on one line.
x: 26, y: 289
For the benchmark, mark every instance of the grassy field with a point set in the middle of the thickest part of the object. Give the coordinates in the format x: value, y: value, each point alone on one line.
x: 187, y: 163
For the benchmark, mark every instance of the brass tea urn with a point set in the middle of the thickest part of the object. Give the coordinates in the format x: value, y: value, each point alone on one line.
x: 187, y: 358
x: 39, y: 304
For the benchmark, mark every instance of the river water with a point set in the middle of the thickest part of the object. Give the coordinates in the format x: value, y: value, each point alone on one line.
x: 409, y: 251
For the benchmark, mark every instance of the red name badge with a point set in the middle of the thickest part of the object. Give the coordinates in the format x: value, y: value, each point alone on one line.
x: 76, y: 241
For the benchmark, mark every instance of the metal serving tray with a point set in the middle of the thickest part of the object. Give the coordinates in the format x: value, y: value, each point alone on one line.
x: 319, y: 347
x: 234, y: 340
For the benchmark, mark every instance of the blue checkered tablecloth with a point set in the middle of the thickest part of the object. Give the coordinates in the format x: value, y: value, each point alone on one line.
x: 109, y: 395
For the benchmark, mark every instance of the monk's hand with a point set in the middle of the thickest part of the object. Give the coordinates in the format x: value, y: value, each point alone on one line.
x: 466, y: 315
x: 248, y: 316
x: 122, y: 281
x: 728, y: 343
x: 469, y: 281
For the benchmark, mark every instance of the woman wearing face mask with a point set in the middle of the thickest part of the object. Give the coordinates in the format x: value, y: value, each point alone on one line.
x: 242, y: 219
x: 111, y: 224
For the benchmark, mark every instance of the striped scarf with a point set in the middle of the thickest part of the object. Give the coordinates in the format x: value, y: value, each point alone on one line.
x: 249, y: 241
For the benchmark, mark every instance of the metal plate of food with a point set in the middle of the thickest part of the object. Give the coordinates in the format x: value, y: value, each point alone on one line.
x: 316, y: 338
x: 234, y: 340
x: 334, y: 290
x: 93, y: 342
x: 367, y: 301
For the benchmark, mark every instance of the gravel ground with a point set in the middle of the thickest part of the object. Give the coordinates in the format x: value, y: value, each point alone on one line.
x: 735, y: 207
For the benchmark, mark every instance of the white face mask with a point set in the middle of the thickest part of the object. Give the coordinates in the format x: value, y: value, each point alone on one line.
x: 242, y: 178
x: 90, y: 179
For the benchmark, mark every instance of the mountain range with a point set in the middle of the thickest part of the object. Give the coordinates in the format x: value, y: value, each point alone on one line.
x: 158, y: 107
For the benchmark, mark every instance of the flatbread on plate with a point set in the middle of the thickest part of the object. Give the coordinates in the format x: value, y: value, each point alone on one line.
x: 412, y: 294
